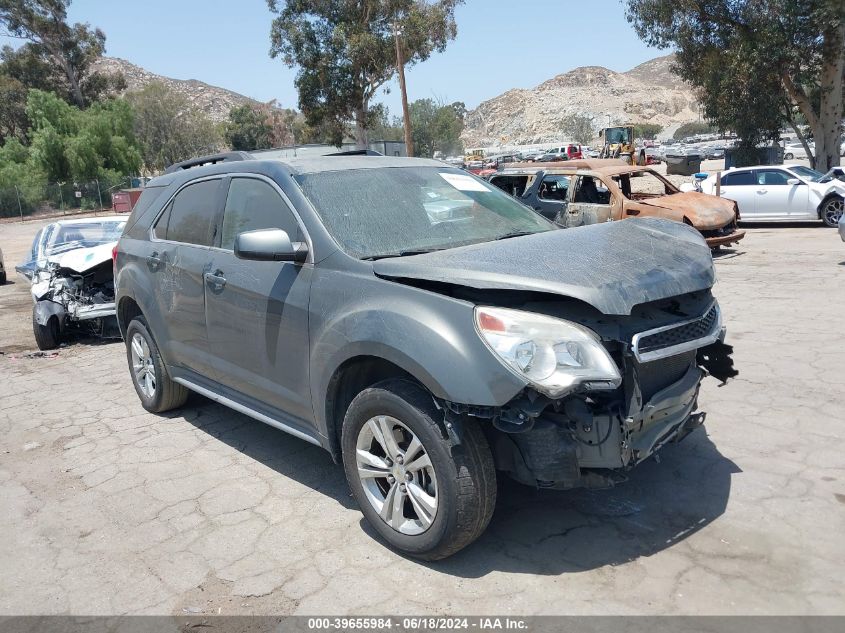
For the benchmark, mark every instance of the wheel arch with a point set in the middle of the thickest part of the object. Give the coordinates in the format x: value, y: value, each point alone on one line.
x: 350, y: 378
x: 127, y: 309
x: 830, y: 196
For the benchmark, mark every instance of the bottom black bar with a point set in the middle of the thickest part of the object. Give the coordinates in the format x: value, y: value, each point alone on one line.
x: 403, y: 624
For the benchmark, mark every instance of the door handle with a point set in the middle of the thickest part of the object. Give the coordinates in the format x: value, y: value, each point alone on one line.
x: 216, y: 280
x: 154, y: 261
x: 762, y: 191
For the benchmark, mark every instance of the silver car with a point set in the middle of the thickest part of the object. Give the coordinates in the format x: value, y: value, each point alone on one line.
x: 70, y: 269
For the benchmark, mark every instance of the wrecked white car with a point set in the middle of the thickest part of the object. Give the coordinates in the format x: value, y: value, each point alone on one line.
x: 70, y: 268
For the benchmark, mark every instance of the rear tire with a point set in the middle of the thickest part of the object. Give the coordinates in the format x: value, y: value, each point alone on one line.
x: 459, y: 481
x: 2, y: 278
x: 832, y: 210
x: 157, y: 392
x: 47, y: 336
x: 787, y: 156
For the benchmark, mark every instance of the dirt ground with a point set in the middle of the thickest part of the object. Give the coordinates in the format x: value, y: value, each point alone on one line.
x: 107, y: 509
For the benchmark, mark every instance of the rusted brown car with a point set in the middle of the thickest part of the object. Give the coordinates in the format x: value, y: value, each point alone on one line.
x: 578, y: 192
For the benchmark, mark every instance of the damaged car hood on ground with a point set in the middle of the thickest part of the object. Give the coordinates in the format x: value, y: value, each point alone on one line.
x: 612, y: 266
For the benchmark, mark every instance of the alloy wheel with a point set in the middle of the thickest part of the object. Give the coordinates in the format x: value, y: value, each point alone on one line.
x: 142, y: 365
x: 833, y: 210
x: 397, y: 475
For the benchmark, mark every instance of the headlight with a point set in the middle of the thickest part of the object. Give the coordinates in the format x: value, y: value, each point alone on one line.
x: 552, y: 354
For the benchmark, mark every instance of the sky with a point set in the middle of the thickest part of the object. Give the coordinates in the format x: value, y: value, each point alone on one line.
x: 501, y: 44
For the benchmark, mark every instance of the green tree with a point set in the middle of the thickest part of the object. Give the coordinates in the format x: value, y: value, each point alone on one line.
x: 168, y: 128
x: 13, y: 121
x: 647, y: 130
x: 578, y: 127
x: 20, y: 179
x: 248, y: 129
x: 691, y: 129
x: 382, y: 127
x: 756, y: 62
x: 436, y: 127
x: 58, y: 55
x: 73, y: 144
x: 262, y: 126
x: 345, y: 51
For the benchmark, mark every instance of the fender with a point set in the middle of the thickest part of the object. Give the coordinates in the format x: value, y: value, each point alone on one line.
x: 135, y: 285
x: 424, y: 333
x: 44, y: 309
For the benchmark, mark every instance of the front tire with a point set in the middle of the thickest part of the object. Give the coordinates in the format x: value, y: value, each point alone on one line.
x: 157, y: 392
x: 832, y: 210
x: 47, y: 336
x: 425, y: 496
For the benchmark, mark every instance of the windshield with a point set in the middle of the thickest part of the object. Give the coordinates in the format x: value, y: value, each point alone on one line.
x: 83, y: 235
x: 807, y: 174
x: 393, y: 211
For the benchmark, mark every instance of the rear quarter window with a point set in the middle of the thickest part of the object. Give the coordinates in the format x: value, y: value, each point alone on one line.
x: 148, y: 197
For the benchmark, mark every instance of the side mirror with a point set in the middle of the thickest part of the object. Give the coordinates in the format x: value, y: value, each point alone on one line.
x: 793, y: 181
x: 269, y: 245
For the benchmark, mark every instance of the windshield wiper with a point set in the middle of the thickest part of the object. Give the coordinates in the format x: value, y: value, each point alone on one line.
x: 515, y: 234
x: 416, y: 251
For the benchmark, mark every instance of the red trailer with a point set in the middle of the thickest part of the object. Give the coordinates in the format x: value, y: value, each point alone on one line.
x: 124, y: 201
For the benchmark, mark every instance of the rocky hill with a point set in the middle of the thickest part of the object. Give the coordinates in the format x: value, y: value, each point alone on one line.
x: 215, y: 102
x: 649, y: 93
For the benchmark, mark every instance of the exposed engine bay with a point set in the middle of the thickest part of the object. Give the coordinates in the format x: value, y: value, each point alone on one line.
x: 82, y: 300
x: 590, y: 436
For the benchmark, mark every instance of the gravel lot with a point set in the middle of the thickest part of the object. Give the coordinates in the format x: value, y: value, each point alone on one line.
x: 107, y: 509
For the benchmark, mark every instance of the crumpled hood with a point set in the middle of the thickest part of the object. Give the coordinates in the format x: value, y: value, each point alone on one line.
x: 703, y: 210
x: 83, y: 259
x: 823, y: 189
x: 612, y: 266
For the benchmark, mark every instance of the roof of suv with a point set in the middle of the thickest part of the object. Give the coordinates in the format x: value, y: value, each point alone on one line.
x: 240, y: 161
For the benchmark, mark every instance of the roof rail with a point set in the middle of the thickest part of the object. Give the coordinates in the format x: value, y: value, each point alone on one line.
x: 211, y: 159
x: 356, y: 152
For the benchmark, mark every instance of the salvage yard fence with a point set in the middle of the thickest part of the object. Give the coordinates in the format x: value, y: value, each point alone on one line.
x: 61, y: 197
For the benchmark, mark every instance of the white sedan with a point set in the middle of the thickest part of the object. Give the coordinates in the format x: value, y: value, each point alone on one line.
x: 781, y: 193
x: 796, y: 150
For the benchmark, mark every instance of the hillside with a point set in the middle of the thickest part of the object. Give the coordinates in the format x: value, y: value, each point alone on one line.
x: 649, y: 93
x: 215, y: 102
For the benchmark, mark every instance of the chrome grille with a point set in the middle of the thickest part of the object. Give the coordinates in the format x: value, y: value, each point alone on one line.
x: 680, y: 337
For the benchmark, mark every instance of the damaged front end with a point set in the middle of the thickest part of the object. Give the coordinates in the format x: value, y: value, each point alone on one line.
x: 589, y: 433
x: 80, y: 301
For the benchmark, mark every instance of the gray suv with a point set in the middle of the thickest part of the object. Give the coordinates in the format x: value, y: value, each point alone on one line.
x: 419, y: 324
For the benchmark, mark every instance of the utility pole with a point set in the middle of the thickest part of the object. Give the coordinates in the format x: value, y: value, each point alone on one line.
x: 400, y: 66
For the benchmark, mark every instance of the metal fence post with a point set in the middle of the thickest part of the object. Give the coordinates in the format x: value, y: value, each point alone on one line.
x: 61, y: 199
x: 99, y: 193
x: 20, y: 208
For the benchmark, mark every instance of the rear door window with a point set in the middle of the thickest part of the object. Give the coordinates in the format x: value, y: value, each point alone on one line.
x: 251, y: 205
x: 191, y: 217
x: 739, y: 178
